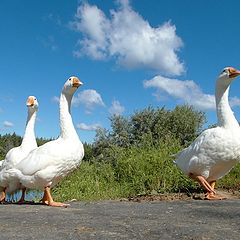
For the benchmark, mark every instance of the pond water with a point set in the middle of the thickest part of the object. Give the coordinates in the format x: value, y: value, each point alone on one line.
x: 30, y: 196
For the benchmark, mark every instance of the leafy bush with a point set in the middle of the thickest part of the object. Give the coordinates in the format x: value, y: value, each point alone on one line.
x: 135, y: 171
x: 148, y: 127
x: 231, y: 180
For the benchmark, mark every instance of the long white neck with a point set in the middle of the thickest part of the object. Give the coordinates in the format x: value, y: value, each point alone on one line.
x: 66, y: 124
x: 224, y: 112
x: 29, y: 139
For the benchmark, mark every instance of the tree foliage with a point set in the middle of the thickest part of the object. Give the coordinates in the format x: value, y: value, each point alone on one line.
x: 9, y: 141
x: 149, y: 127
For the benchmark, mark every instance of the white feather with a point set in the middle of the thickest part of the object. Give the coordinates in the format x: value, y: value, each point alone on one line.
x: 16, y: 154
x: 216, y: 150
x: 49, y: 163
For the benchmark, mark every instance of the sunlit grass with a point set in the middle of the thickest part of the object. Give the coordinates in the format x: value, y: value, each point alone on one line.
x: 231, y: 180
x: 136, y: 171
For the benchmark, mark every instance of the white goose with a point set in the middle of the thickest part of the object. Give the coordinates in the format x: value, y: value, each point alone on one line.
x: 15, y: 155
x: 216, y: 150
x: 45, y: 166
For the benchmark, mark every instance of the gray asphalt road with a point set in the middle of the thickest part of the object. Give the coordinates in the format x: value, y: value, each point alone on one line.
x: 193, y: 219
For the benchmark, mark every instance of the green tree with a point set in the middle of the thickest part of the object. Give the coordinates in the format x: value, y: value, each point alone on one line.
x: 186, y: 123
x: 148, y: 127
x: 121, y: 130
x: 88, y: 152
x: 9, y: 141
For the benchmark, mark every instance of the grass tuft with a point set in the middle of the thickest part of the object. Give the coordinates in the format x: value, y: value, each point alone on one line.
x: 136, y: 171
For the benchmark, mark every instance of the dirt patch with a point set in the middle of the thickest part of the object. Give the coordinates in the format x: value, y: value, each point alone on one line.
x: 228, y: 194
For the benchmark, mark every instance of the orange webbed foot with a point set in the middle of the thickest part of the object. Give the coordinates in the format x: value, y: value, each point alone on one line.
x: 48, y: 200
x: 211, y: 196
x: 58, y: 204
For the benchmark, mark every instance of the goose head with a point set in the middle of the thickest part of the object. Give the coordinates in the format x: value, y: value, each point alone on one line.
x: 32, y: 103
x: 227, y: 75
x: 71, y: 85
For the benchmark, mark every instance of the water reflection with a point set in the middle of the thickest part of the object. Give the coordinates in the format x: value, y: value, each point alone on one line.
x: 31, y: 195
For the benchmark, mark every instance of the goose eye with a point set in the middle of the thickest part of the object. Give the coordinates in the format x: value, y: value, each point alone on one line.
x: 69, y: 79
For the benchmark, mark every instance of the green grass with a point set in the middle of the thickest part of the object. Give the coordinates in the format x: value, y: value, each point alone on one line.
x: 89, y: 182
x: 232, y: 180
x: 136, y: 171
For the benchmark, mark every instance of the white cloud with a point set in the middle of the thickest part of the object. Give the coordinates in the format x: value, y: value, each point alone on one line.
x: 92, y: 22
x: 91, y: 127
x: 89, y: 98
x: 8, y: 124
x: 116, y: 108
x: 234, y: 101
x: 55, y: 99
x: 187, y: 91
x: 128, y: 38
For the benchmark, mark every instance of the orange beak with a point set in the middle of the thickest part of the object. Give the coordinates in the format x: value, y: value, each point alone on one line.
x: 233, y: 72
x: 30, y: 102
x: 76, y: 82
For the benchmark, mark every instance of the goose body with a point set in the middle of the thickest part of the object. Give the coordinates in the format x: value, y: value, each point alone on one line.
x: 44, y: 167
x: 212, y: 155
x: 214, y: 152
x: 16, y: 154
x: 49, y: 163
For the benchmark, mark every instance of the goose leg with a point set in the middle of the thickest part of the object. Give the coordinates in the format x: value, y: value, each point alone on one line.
x: 213, y: 196
x: 44, y: 198
x: 203, y: 182
x: 212, y: 184
x: 3, y: 196
x: 48, y: 200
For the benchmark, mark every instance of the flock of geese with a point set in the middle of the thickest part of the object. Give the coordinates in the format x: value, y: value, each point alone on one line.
x: 208, y: 158
x: 32, y: 167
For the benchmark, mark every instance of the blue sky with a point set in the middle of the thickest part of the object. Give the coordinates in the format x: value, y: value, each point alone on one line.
x: 128, y: 54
